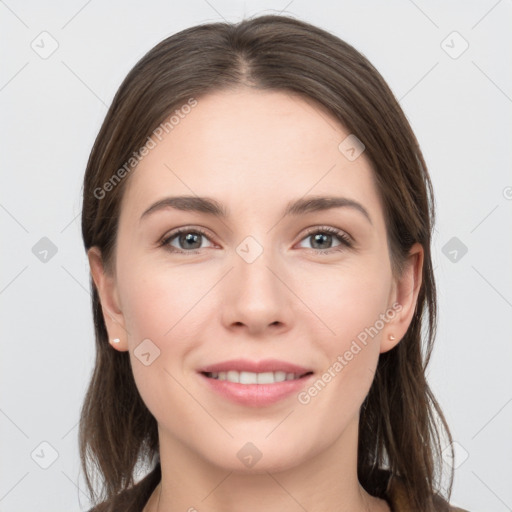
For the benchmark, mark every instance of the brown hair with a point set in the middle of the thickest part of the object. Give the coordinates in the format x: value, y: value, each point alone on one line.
x: 397, y: 430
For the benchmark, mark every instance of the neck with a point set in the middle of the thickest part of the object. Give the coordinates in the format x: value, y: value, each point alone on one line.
x: 325, y: 481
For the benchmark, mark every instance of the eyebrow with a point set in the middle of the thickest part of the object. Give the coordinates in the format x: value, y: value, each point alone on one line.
x: 297, y: 207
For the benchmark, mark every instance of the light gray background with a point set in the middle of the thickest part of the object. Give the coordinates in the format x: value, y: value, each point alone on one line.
x: 460, y: 109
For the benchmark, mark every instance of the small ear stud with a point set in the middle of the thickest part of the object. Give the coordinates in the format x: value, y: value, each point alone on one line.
x: 116, y: 340
x: 391, y: 337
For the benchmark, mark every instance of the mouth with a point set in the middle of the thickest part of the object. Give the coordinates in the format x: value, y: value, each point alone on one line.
x: 243, y: 377
x: 255, y: 384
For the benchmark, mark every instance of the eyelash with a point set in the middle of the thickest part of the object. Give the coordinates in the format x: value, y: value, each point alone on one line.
x: 344, y: 239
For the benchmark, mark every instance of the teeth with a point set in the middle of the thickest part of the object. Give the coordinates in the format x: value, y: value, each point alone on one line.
x: 253, y: 378
x: 248, y: 378
x: 266, y: 378
x: 232, y: 376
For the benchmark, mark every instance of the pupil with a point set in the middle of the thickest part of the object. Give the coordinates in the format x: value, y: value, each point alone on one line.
x: 190, y: 238
x: 319, y: 237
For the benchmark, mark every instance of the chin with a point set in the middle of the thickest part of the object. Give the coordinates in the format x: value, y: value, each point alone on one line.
x: 256, y: 457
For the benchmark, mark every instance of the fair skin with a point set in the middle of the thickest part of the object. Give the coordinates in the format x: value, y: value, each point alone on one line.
x: 301, y: 302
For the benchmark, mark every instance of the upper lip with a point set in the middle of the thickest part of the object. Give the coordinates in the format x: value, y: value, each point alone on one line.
x: 245, y: 365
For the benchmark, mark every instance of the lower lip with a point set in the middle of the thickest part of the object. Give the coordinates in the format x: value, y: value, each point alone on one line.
x: 256, y: 395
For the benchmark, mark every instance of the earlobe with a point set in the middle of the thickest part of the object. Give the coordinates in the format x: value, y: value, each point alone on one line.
x: 107, y: 292
x: 404, y: 296
x: 389, y: 342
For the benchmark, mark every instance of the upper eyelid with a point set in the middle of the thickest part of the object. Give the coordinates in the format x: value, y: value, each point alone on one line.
x: 329, y: 229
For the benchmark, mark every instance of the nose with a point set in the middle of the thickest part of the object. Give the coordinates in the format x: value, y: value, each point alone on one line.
x: 257, y: 299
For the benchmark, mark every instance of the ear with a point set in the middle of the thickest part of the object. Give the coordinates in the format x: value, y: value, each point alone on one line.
x: 107, y: 291
x: 403, y: 298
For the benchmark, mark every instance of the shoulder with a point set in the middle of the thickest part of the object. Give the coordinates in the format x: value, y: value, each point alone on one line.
x: 133, y: 499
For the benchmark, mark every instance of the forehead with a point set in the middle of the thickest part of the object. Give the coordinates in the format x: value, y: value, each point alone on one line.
x: 252, y: 145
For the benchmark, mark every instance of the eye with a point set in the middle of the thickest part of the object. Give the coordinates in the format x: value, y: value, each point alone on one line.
x: 188, y: 240
x: 323, y: 237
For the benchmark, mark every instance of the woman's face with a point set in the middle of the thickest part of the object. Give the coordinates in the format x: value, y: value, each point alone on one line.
x: 277, y: 280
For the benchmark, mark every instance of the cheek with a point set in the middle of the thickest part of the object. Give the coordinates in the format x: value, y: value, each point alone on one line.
x: 347, y: 300
x: 353, y: 312
x: 158, y: 308
x: 158, y: 301
x: 170, y: 306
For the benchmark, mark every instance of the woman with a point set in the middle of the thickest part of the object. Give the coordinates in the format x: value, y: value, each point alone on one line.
x: 257, y: 215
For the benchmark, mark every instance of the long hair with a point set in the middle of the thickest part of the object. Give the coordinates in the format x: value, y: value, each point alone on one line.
x: 401, y: 423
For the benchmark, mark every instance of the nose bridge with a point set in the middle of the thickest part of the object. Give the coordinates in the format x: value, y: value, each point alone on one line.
x: 253, y: 261
x: 258, y: 298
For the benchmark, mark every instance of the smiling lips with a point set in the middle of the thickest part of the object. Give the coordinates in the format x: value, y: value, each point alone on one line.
x: 252, y: 377
x: 255, y: 383
x: 244, y: 371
